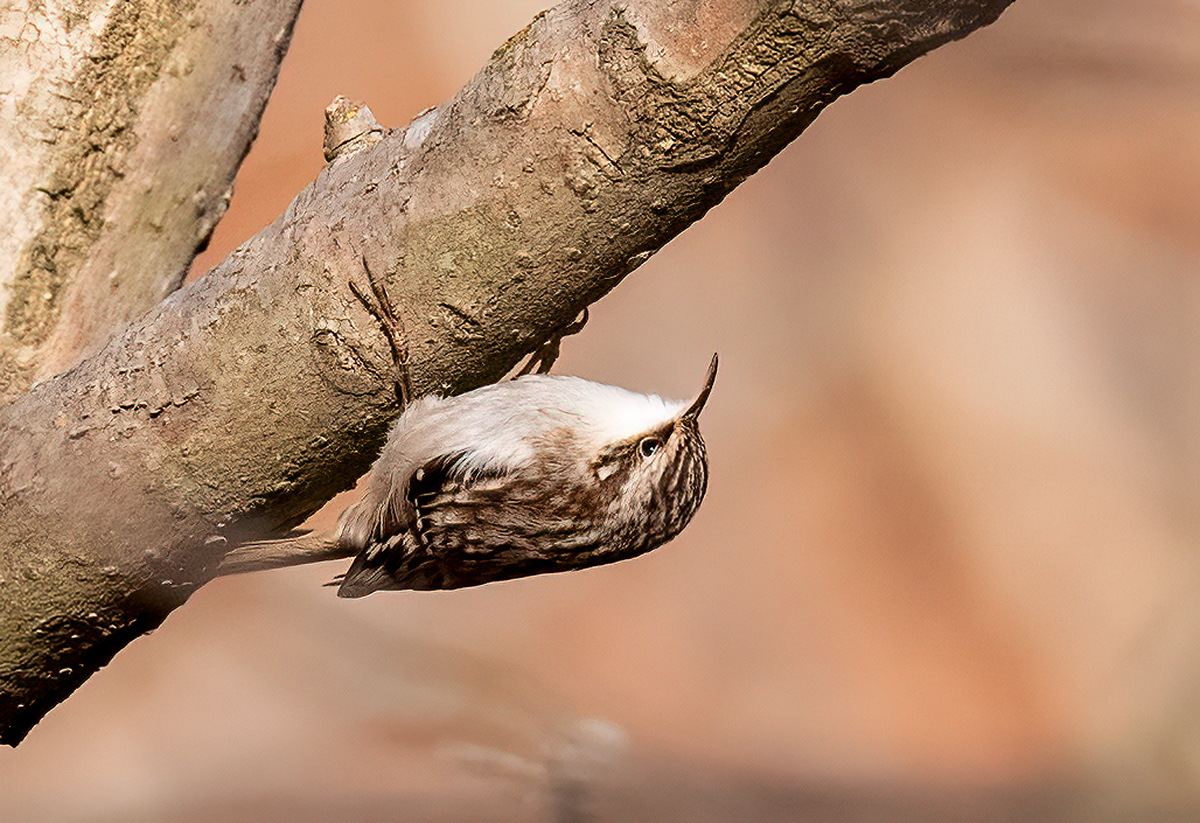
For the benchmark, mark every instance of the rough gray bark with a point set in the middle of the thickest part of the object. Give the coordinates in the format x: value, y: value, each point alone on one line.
x: 244, y: 401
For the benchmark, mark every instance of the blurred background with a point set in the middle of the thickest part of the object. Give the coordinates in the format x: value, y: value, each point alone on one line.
x: 947, y: 568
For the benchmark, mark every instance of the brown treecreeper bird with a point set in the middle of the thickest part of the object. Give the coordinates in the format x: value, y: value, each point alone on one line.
x: 539, y: 474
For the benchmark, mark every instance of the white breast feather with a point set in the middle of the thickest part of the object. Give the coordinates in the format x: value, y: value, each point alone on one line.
x: 494, y: 427
x: 612, y: 413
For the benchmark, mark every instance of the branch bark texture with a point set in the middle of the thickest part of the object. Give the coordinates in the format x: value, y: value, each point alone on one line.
x: 121, y: 128
x: 244, y: 401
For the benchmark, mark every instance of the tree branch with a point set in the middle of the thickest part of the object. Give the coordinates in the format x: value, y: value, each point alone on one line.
x: 119, y: 158
x: 244, y: 401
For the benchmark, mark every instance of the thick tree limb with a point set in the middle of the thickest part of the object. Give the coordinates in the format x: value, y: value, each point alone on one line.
x: 244, y: 401
x: 121, y: 128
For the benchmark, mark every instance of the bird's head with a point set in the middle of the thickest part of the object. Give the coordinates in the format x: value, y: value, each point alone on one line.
x: 653, y: 481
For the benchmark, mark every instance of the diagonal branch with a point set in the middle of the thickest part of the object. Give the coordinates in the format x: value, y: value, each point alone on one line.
x: 244, y: 401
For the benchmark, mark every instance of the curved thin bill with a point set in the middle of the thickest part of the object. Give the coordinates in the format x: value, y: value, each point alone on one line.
x: 692, y: 412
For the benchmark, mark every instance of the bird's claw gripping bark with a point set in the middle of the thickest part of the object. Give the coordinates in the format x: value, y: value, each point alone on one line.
x: 545, y: 355
x: 393, y: 329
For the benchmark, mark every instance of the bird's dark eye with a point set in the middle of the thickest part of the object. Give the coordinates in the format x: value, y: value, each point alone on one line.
x: 649, y: 446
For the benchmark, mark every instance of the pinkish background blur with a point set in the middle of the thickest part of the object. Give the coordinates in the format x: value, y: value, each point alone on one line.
x: 949, y: 550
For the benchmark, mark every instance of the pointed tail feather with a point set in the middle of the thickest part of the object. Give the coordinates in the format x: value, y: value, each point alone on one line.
x: 261, y: 555
x: 362, y: 579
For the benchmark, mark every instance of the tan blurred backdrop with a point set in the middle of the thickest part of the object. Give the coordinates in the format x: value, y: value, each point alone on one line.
x: 951, y: 537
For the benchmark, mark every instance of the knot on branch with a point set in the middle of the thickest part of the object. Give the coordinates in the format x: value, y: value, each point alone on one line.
x: 349, y: 127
